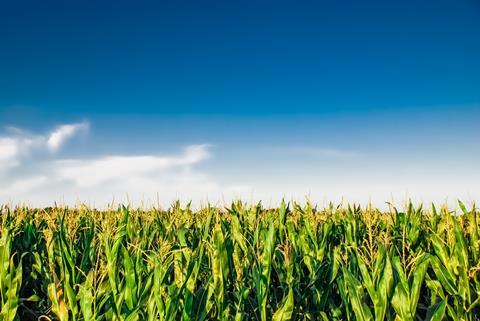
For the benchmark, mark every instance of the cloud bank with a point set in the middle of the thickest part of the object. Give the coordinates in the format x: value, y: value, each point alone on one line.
x: 34, y: 170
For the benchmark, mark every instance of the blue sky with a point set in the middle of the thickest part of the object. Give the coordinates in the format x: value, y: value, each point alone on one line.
x: 216, y: 100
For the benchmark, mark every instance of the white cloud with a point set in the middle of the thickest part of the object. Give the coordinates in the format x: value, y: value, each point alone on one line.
x: 42, y: 175
x: 88, y: 173
x: 12, y: 148
x: 64, y: 132
x: 144, y: 178
x: 8, y: 149
x: 18, y: 144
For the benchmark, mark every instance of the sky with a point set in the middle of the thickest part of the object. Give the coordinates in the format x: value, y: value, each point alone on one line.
x: 151, y: 101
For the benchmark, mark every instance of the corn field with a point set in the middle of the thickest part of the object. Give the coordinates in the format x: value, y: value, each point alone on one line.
x: 241, y: 263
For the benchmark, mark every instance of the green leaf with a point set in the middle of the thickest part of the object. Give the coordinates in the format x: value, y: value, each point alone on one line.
x: 437, y: 311
x: 285, y: 312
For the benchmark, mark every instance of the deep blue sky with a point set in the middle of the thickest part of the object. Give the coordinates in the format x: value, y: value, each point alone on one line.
x: 238, y: 57
x: 364, y: 98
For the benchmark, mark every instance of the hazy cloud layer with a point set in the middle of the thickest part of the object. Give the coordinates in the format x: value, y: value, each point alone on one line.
x: 36, y: 168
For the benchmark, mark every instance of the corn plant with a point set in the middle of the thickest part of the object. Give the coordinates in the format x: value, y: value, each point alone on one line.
x: 10, y: 278
x: 294, y: 262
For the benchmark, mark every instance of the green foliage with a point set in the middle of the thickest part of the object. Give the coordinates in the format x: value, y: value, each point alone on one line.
x: 240, y: 263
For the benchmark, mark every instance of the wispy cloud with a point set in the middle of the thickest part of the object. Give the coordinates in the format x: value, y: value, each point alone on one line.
x: 322, y: 152
x: 17, y: 144
x: 64, y: 132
